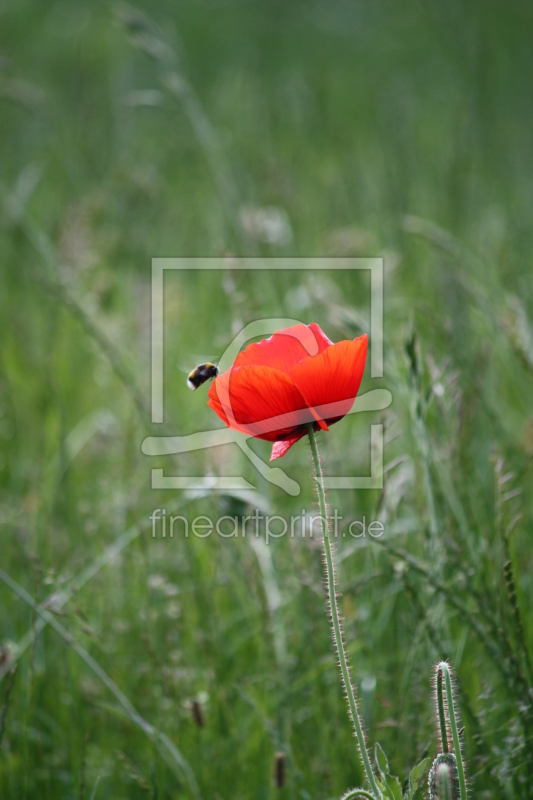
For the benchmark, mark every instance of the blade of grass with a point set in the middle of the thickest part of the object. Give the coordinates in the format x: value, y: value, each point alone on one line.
x: 77, y: 583
x: 166, y: 747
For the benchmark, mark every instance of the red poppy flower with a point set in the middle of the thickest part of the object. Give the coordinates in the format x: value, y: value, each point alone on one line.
x: 279, y: 385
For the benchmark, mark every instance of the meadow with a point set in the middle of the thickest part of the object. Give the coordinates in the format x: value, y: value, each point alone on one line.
x: 134, y: 665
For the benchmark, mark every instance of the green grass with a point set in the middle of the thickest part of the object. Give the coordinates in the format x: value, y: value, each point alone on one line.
x: 402, y: 131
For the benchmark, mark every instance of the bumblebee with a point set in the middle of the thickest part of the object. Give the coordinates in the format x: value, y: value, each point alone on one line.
x: 201, y: 374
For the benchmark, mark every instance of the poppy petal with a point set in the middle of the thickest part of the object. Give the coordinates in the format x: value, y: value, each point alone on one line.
x: 215, y: 403
x: 330, y: 381
x: 261, y: 401
x: 280, y: 447
x: 283, y: 349
x: 321, y: 338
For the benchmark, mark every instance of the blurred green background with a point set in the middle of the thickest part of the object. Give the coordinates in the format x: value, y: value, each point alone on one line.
x: 269, y: 129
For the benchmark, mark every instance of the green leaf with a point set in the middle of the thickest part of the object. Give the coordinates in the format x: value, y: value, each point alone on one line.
x: 394, y: 786
x: 381, y: 760
x: 390, y: 787
x: 389, y: 784
x: 416, y: 777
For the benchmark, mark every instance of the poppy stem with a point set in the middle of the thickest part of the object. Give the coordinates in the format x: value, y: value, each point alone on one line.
x: 335, y: 617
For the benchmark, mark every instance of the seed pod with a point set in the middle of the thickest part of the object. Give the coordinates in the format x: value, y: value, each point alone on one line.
x: 197, y: 713
x: 437, y: 783
x: 279, y: 769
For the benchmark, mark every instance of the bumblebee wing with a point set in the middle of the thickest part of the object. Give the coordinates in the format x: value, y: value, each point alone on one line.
x: 185, y: 366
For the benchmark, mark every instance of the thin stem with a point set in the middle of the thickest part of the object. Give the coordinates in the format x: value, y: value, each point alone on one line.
x: 95, y: 787
x: 335, y: 617
x: 517, y: 617
x: 445, y: 669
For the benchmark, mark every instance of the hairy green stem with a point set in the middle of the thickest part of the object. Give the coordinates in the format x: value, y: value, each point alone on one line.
x: 352, y: 794
x: 444, y: 668
x: 442, y: 715
x: 335, y: 617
